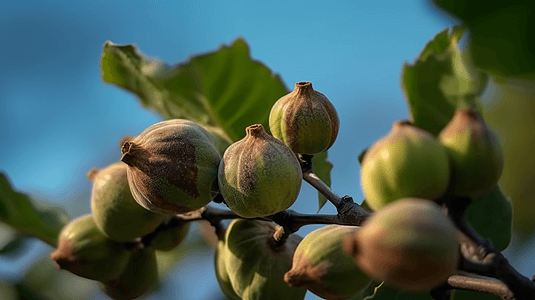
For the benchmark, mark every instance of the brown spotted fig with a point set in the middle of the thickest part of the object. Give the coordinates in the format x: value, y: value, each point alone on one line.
x: 321, y: 265
x: 407, y: 162
x: 114, y: 209
x: 409, y: 244
x: 259, y: 175
x: 305, y: 120
x: 255, y: 263
x: 85, y: 251
x: 172, y: 166
x: 475, y: 154
x: 137, y: 279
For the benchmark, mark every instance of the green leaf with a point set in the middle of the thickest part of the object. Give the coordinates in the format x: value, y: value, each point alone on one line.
x: 322, y: 168
x: 441, y: 80
x: 501, y: 34
x: 31, y: 218
x: 491, y: 216
x: 224, y: 89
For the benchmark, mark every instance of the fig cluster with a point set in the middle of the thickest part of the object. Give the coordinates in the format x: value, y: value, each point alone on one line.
x: 465, y: 160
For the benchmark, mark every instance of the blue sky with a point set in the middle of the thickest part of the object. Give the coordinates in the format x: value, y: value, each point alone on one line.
x: 58, y: 119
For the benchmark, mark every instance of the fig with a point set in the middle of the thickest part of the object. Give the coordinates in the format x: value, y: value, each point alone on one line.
x: 407, y: 162
x: 305, y: 120
x: 255, y: 263
x: 321, y: 265
x: 221, y: 273
x: 409, y: 244
x: 475, y: 154
x: 172, y: 235
x: 114, y: 209
x: 259, y: 175
x: 85, y: 251
x: 137, y: 279
x: 172, y: 167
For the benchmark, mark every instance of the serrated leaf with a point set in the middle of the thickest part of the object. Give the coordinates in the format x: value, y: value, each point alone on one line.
x: 225, y: 88
x: 322, y: 168
x: 441, y: 80
x: 501, y: 34
x: 29, y: 217
x: 491, y: 216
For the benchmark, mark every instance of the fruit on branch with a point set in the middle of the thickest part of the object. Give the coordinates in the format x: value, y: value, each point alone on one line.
x: 114, y: 209
x: 305, y: 120
x: 321, y: 265
x: 172, y: 235
x: 475, y: 154
x: 138, y: 278
x: 221, y: 273
x: 172, y: 167
x: 85, y: 251
x: 409, y: 244
x: 259, y: 175
x: 407, y: 162
x: 255, y: 262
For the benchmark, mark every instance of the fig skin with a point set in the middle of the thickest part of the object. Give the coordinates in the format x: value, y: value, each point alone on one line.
x: 170, y: 237
x: 115, y: 211
x: 259, y: 175
x: 221, y: 273
x: 172, y: 167
x: 85, y: 251
x: 305, y: 120
x: 407, y: 162
x: 321, y: 265
x: 137, y: 279
x: 409, y: 244
x: 475, y: 154
x: 255, y: 264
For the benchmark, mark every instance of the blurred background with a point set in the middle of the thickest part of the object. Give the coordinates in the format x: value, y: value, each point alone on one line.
x: 58, y: 119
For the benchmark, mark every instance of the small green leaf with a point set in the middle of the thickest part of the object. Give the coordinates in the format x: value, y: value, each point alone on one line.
x: 322, y: 168
x: 491, y: 216
x: 441, y: 80
x: 224, y: 89
x: 501, y: 34
x: 31, y: 218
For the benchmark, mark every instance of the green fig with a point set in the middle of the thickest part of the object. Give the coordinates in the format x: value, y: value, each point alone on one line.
x: 172, y: 167
x: 85, y: 251
x: 321, y: 265
x: 409, y: 244
x: 171, y: 235
x: 259, y: 175
x: 221, y: 273
x: 407, y: 162
x: 256, y: 264
x: 305, y: 120
x: 114, y: 209
x: 475, y: 154
x: 137, y: 279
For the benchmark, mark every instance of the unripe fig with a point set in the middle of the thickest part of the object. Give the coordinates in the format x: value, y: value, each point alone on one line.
x: 172, y: 235
x: 114, y: 209
x: 305, y: 120
x: 256, y: 264
x: 475, y: 154
x: 409, y: 244
x: 138, y: 278
x: 85, y: 251
x: 221, y: 273
x: 172, y: 167
x: 407, y: 162
x: 259, y: 175
x: 321, y: 265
